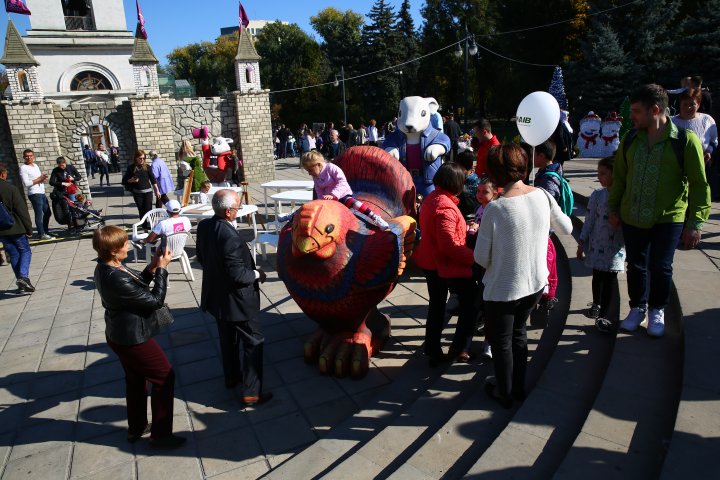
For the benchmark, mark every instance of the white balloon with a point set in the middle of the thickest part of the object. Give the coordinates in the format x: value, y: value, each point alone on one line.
x: 537, y: 117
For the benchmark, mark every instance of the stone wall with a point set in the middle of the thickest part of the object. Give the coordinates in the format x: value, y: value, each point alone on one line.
x: 32, y: 125
x: 152, y: 121
x: 148, y: 123
x: 73, y: 120
x: 218, y: 113
x: 255, y: 132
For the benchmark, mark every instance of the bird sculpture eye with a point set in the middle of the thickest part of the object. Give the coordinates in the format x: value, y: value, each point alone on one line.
x: 329, y: 228
x: 423, y: 113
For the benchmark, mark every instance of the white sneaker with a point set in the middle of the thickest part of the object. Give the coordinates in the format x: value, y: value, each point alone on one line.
x: 487, y: 351
x: 45, y: 236
x: 656, y: 322
x: 633, y: 320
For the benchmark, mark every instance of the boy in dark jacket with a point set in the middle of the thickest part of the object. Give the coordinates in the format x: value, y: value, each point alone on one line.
x: 544, y: 156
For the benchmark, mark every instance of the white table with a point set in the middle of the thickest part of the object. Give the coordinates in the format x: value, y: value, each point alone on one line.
x: 200, y: 212
x: 280, y: 185
x: 292, y: 197
x: 210, y: 193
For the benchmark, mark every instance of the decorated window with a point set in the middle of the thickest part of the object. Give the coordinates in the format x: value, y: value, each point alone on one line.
x: 145, y: 77
x: 23, y: 81
x: 89, y: 80
x: 249, y: 73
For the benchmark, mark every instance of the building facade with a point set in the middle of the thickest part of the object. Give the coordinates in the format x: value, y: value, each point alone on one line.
x: 79, y: 77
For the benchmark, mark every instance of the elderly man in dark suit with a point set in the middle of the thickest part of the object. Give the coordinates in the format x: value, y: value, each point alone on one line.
x: 231, y: 293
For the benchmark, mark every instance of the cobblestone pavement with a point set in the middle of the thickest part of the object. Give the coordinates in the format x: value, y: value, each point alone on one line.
x: 62, y: 411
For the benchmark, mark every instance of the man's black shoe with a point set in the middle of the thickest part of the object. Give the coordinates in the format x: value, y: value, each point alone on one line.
x: 25, y: 285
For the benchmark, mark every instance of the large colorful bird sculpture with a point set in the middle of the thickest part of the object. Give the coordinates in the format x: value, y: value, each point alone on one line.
x: 338, y: 267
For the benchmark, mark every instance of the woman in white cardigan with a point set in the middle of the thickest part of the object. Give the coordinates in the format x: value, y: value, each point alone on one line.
x: 512, y: 247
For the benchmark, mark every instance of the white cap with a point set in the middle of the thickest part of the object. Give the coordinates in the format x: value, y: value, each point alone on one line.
x: 173, y: 206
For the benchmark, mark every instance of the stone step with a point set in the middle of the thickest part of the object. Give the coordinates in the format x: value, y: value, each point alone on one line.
x: 472, y: 428
x: 412, y: 381
x: 631, y: 420
x: 414, y: 445
x: 539, y: 435
x: 695, y: 443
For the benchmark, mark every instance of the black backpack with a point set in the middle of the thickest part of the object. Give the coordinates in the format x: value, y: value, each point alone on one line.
x: 678, y: 145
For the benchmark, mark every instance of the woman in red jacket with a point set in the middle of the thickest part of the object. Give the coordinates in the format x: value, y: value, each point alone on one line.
x: 447, y: 262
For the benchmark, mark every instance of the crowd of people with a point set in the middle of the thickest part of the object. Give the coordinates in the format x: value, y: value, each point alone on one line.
x: 486, y: 238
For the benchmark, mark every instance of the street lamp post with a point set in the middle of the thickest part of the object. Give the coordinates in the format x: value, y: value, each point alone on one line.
x: 336, y: 83
x: 470, y: 49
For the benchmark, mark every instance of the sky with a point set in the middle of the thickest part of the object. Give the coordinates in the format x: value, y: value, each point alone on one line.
x: 174, y: 23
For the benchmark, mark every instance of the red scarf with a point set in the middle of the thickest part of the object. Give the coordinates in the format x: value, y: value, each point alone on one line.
x: 608, y: 140
x: 589, y: 139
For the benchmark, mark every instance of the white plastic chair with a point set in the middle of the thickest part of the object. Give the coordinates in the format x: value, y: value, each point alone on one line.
x: 176, y: 244
x: 269, y: 236
x: 154, y: 216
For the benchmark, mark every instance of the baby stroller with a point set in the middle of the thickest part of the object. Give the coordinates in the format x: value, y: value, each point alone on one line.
x: 75, y: 215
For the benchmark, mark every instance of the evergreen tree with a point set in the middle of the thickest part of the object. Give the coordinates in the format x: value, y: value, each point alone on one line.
x: 442, y: 76
x: 557, y: 88
x: 409, y: 44
x: 698, y: 49
x: 599, y: 82
x: 382, y: 48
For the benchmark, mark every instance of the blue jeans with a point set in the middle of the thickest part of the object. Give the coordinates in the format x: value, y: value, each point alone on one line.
x: 650, y: 249
x: 41, y: 207
x: 18, y: 249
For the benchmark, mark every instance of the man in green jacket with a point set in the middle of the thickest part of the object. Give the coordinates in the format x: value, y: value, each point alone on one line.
x: 658, y: 198
x: 15, y: 238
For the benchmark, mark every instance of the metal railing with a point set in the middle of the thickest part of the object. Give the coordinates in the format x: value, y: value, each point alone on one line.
x: 79, y: 23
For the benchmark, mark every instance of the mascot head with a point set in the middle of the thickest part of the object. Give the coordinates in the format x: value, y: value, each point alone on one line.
x: 220, y: 145
x: 414, y: 114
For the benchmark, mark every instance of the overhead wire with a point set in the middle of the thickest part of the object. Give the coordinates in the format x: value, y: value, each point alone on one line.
x: 494, y: 34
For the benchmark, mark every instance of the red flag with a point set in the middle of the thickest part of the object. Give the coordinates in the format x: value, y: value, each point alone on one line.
x: 141, y: 23
x: 16, y: 6
x: 244, y: 20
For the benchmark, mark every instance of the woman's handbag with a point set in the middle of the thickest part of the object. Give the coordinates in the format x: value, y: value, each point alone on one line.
x: 164, y: 316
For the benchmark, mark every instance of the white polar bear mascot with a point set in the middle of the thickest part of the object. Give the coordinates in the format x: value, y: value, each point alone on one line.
x: 610, y: 134
x: 416, y: 143
x: 589, y: 137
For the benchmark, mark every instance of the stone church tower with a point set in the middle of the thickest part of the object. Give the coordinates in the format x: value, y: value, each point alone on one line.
x: 22, y: 68
x: 247, y: 64
x: 144, y: 65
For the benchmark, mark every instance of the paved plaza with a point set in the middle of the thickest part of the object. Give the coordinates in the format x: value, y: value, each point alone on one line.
x: 62, y: 405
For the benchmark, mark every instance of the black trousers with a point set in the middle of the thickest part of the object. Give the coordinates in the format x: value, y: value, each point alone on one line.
x: 604, y: 285
x: 505, y: 322
x: 251, y: 372
x: 144, y: 202
x: 437, y: 291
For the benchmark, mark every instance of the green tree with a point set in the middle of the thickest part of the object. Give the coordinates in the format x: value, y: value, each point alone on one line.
x: 4, y: 83
x: 699, y: 45
x: 381, y: 49
x: 210, y: 66
x: 411, y: 48
x: 442, y: 75
x: 341, y: 46
x: 600, y: 81
x: 290, y: 59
